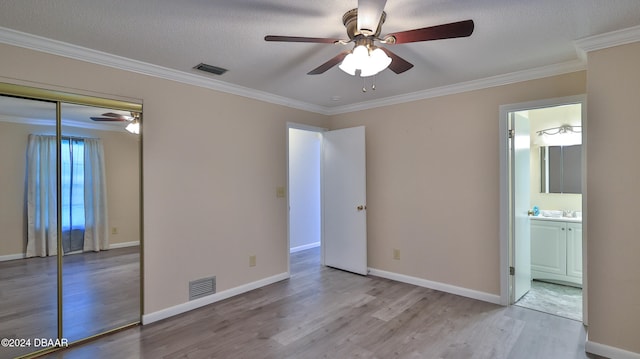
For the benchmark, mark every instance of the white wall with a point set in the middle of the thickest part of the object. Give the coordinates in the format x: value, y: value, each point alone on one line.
x: 304, y: 188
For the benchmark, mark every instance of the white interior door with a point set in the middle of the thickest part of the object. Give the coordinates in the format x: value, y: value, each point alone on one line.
x: 344, y: 200
x: 520, y: 157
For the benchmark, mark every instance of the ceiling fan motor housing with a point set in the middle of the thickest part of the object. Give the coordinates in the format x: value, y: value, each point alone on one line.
x: 350, y: 21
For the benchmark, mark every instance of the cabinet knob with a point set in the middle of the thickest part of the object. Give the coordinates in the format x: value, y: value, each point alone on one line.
x: 563, y: 229
x: 569, y: 228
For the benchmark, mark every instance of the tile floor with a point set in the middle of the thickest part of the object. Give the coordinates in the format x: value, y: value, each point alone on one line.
x: 560, y: 300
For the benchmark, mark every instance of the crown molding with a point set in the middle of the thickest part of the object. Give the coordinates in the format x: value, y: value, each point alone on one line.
x: 55, y: 47
x: 42, y: 44
x: 606, y: 40
x: 488, y: 82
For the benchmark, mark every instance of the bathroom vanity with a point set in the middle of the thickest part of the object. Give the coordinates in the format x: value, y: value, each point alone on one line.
x: 556, y: 249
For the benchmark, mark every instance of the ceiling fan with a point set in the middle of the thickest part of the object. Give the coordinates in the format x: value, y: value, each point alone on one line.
x: 110, y: 116
x: 363, y: 26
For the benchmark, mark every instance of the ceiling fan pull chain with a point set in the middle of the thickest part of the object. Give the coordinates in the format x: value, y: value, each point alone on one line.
x: 364, y: 84
x: 373, y: 87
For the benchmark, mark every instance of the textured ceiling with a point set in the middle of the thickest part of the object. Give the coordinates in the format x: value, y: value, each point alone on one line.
x: 509, y: 36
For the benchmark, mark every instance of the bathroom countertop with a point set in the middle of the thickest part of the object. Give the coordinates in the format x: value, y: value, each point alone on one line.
x: 557, y: 219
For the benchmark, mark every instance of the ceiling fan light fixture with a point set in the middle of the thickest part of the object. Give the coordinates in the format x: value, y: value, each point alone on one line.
x: 368, y: 62
x: 134, y: 127
x: 349, y: 64
x: 377, y: 62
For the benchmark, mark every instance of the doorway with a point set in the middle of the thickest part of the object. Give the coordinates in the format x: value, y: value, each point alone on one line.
x: 304, y: 173
x: 541, y: 242
x: 326, y: 177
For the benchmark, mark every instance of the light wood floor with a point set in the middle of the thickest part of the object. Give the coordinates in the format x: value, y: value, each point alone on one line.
x: 326, y: 313
x: 100, y: 292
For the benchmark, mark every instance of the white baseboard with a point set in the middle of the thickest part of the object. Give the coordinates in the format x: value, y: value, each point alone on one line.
x: 303, y: 247
x: 10, y: 257
x: 201, y: 302
x: 124, y: 244
x: 608, y: 351
x: 465, y: 292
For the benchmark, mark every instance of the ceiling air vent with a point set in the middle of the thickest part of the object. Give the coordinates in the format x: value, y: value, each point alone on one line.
x: 210, y: 69
x: 202, y: 287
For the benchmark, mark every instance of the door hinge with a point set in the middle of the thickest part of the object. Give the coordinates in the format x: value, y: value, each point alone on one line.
x: 511, y: 133
x: 512, y: 271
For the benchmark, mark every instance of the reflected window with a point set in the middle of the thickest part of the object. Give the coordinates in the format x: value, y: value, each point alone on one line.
x: 72, y: 165
x: 84, y: 198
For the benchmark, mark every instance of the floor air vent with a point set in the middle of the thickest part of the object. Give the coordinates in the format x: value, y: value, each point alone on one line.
x: 202, y: 287
x: 210, y: 69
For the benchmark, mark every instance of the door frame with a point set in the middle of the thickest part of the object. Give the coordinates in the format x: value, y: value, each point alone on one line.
x: 505, y: 195
x: 299, y: 126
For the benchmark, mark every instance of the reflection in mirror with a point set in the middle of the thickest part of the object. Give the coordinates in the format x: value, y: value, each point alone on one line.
x: 561, y: 169
x: 100, y: 221
x: 28, y: 273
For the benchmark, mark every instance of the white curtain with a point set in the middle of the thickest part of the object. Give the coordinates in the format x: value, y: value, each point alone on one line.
x: 96, y: 234
x: 41, y: 196
x: 42, y: 234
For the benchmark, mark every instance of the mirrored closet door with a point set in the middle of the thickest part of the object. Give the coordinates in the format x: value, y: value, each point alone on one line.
x: 28, y: 281
x: 70, y: 217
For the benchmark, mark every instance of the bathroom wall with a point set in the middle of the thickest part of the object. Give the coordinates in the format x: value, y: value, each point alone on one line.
x: 540, y: 119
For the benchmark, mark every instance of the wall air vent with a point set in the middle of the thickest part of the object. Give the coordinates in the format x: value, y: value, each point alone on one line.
x: 202, y: 287
x: 210, y: 69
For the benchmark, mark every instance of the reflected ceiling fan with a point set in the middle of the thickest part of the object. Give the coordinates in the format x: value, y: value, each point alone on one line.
x: 133, y: 120
x: 110, y: 116
x: 363, y: 28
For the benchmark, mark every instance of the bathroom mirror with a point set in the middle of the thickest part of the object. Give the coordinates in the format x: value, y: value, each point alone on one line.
x: 561, y: 169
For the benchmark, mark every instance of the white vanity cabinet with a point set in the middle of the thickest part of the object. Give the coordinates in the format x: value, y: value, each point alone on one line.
x: 556, y: 250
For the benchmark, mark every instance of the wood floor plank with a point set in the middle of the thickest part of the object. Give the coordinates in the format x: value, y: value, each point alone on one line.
x: 399, y: 305
x: 322, y: 312
x: 100, y: 292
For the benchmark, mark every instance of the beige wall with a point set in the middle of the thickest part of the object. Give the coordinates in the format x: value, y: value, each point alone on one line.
x: 613, y: 180
x: 121, y: 162
x: 432, y: 181
x: 13, y: 148
x: 212, y: 162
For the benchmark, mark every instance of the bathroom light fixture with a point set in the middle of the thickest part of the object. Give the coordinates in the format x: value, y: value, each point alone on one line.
x: 366, y: 57
x: 565, y: 135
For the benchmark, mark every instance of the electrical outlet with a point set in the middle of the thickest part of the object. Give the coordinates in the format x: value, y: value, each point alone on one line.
x: 252, y: 261
x: 114, y: 230
x: 396, y: 254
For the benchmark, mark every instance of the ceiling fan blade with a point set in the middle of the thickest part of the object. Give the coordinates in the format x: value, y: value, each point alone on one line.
x: 369, y: 14
x: 445, y: 31
x: 398, y: 64
x: 117, y: 119
x: 320, y: 40
x: 111, y: 114
x: 329, y: 64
